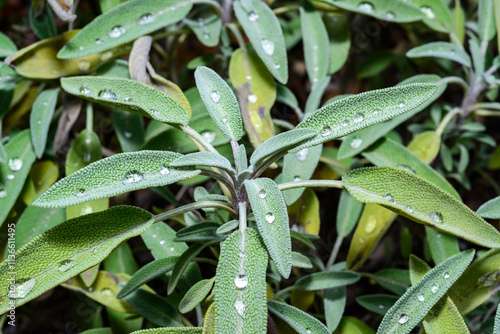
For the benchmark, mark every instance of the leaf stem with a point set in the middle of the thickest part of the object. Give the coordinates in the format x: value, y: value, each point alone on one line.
x: 311, y: 184
x: 237, y: 35
x: 335, y: 251
x: 456, y: 80
x: 444, y: 122
x: 198, y: 138
x: 191, y: 207
x: 221, y: 178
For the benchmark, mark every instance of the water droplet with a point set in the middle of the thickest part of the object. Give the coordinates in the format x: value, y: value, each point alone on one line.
x: 65, y: 265
x: 277, y: 66
x: 435, y: 288
x: 302, y: 154
x: 95, y: 250
x: 408, y: 208
x: 252, y: 98
x: 39, y: 122
x: 154, y: 235
x: 129, y: 100
x: 21, y: 290
x: 201, y: 23
x: 389, y: 198
x: 262, y: 193
x: 116, y: 31
x: 127, y: 134
x: 45, y: 103
x: 206, y: 35
x: 162, y: 242
x: 132, y: 177
x: 428, y: 12
x: 365, y: 7
x: 145, y: 19
x: 446, y: 275
x: 3, y: 193
x: 421, y: 298
x: 253, y: 16
x: 10, y: 177
x: 358, y: 118
x: 15, y: 164
x: 107, y: 292
x: 390, y: 16
x: 296, y: 178
x: 377, y: 111
x: 86, y: 210
x: 401, y: 105
x: 224, y: 119
x: 371, y: 224
x: 403, y: 318
x: 356, y: 142
x: 107, y: 94
x: 308, y: 331
x: 249, y: 77
x: 267, y: 46
x: 242, y: 254
x: 209, y: 136
x: 436, y: 217
x: 344, y: 123
x: 85, y: 90
x: 270, y: 217
x: 325, y: 131
x: 99, y: 41
x: 215, y: 96
x: 241, y: 281
x: 240, y: 308
x: 164, y: 170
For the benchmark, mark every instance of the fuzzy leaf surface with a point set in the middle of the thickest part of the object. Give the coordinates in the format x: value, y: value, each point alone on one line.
x: 441, y: 50
x: 302, y: 322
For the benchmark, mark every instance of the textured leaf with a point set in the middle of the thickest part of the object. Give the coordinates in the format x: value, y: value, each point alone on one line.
x: 35, y: 221
x: 339, y: 118
x: 327, y: 280
x: 41, y: 117
x: 208, y: 159
x: 196, y: 295
x: 129, y: 130
x: 394, y: 280
x: 490, y: 209
x: 302, y: 322
x: 207, y: 29
x: 121, y: 261
x: 14, y: 171
x: 128, y: 95
x: 171, y: 330
x: 115, y: 175
x: 240, y: 285
x: 123, y: 24
x: 379, y: 304
x: 437, y: 14
x: 68, y: 249
x: 264, y: 32
x: 339, y: 35
x: 348, y: 213
x: 301, y: 261
x: 441, y: 50
x: 409, y: 310
x: 269, y: 208
x: 441, y: 245
x: 6, y: 46
x: 304, y: 213
x: 220, y: 102
x: 496, y: 330
x: 155, y: 308
x: 228, y: 227
x: 182, y: 265
x: 396, y: 189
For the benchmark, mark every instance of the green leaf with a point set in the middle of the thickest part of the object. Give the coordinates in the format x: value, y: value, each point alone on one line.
x: 115, y: 175
x: 35, y: 221
x: 14, y: 171
x: 302, y: 322
x: 208, y: 159
x: 269, y: 208
x: 195, y: 295
x: 129, y: 95
x: 301, y: 261
x: 6, y: 46
x: 490, y: 209
x: 121, y: 261
x: 42, y: 21
x: 105, y: 330
x: 486, y: 20
x: 353, y: 325
x: 171, y: 330
x: 228, y: 227
x: 441, y: 245
x: 207, y: 29
x: 123, y: 24
x: 285, y: 96
x: 182, y: 265
x: 394, y: 280
x: 496, y: 330
x: 147, y: 273
x: 375, y: 64
x: 155, y: 308
x: 327, y: 280
x: 68, y: 249
x: 497, y: 21
x: 437, y: 14
x: 441, y: 50
x: 339, y: 35
x: 264, y: 32
x: 339, y: 118
x: 314, y: 98
x: 304, y: 213
x: 240, y: 285
x: 410, y: 309
x: 379, y: 304
x: 334, y: 304
x: 349, y: 210
x: 220, y: 102
x: 41, y: 117
x: 395, y: 189
x: 129, y: 130
x: 425, y: 146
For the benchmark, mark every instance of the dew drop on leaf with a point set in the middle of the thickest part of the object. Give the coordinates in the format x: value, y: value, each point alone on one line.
x: 421, y: 298
x: 253, y: 16
x: 390, y: 15
x: 164, y: 170
x: 65, y: 265
x: 80, y: 192
x: 107, y: 94
x: 270, y: 217
x: 371, y: 224
x: 403, y: 318
x: 359, y: 117
x: 39, y: 122
x: 435, y: 288
x: 325, y: 131
x: 10, y: 177
x: 241, y: 281
x: 296, y: 178
x: 409, y: 208
x: 162, y: 242
x: 145, y: 19
x: 356, y: 142
x: 224, y: 119
x: 3, y: 193
x: 267, y: 46
x: 85, y: 90
x: 344, y: 123
x: 446, y: 276
x: 428, y: 12
x: 127, y: 134
x: 252, y: 98
x: 107, y: 292
x: 116, y: 31
x: 365, y: 7
x: 302, y: 154
x: 21, y: 290
x: 129, y: 100
x: 209, y: 136
x: 86, y: 210
x: 436, y: 217
x: 132, y: 177
x: 240, y: 308
x: 215, y: 96
x: 389, y: 198
x: 262, y: 193
x: 401, y: 105
x: 15, y: 164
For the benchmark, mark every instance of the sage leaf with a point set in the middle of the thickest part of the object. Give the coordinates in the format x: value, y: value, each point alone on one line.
x: 496, y: 329
x: 379, y: 304
x: 304, y: 214
x: 334, y: 304
x: 339, y: 118
x: 208, y: 159
x: 104, y: 330
x: 207, y: 29
x: 182, y: 264
x: 441, y: 50
x: 353, y: 325
x: 6, y: 46
x: 269, y: 208
x: 302, y: 322
x: 441, y: 245
x: 486, y: 20
x: 395, y: 189
x: 220, y: 102
x: 124, y: 23
x: 155, y: 308
x: 339, y: 35
x: 301, y: 261
x: 240, y: 285
x: 437, y: 14
x: 394, y: 280
x: 285, y: 96
x: 115, y: 175
x: 68, y: 249
x: 327, y: 280
x: 425, y: 146
x: 412, y: 307
x: 349, y: 210
x: 228, y: 227
x: 490, y: 209
x: 195, y: 295
x: 171, y: 330
x: 35, y: 221
x: 198, y: 228
x: 41, y: 117
x: 264, y: 32
x: 129, y: 130
x: 121, y: 260
x: 129, y: 95
x: 302, y: 238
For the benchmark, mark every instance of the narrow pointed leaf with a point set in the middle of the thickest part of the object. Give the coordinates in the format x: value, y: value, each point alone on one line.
x: 441, y: 245
x: 486, y: 22
x: 228, y: 227
x: 409, y: 310
x: 269, y: 208
x: 339, y: 34
x: 437, y: 15
x: 240, y: 285
x: 6, y: 46
x: 208, y: 159
x: 301, y: 261
x: 353, y: 325
x: 302, y: 322
x: 41, y: 117
x: 220, y: 102
x: 379, y: 304
x: 334, y: 303
x: 264, y: 32
x: 348, y: 212
x: 207, y: 29
x: 35, y: 221
x: 129, y: 95
x: 441, y: 50
x: 182, y: 264
x: 327, y: 280
x: 68, y: 249
x: 171, y: 330
x: 490, y: 209
x: 155, y: 308
x: 496, y: 329
x: 123, y: 24
x: 129, y: 129
x: 394, y: 280
x: 304, y: 214
x: 115, y: 175
x: 395, y: 189
x: 339, y: 118
x: 195, y: 295
x: 425, y: 146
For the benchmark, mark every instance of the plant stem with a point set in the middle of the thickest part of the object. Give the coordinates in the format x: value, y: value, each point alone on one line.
x: 335, y: 251
x: 237, y: 35
x: 487, y: 113
x: 242, y: 208
x: 284, y: 291
x: 456, y: 80
x: 198, y: 138
x: 444, y: 122
x: 193, y: 206
x: 89, y: 124
x: 311, y: 184
x: 221, y: 178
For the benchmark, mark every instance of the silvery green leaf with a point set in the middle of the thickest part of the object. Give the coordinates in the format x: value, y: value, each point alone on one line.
x: 264, y: 32
x: 302, y: 238
x: 486, y: 20
x: 441, y: 50
x: 490, y: 209
x: 3, y: 154
x: 129, y: 129
x: 389, y: 153
x: 349, y: 210
x: 496, y: 329
x: 123, y: 24
x: 41, y: 116
x: 220, y: 101
x: 115, y: 175
x: 394, y: 280
x: 129, y: 95
x: 207, y: 29
x: 14, y: 171
x: 339, y: 118
x: 6, y: 46
x: 279, y: 143
x: 316, y: 55
x: 360, y: 140
x: 228, y: 227
x: 314, y: 98
x: 269, y: 208
x: 155, y: 308
x: 379, y: 304
x: 68, y: 249
x: 299, y: 166
x: 285, y: 96
x: 327, y: 280
x: 35, y: 221
x: 208, y: 159
x: 240, y: 285
x: 437, y: 15
x: 241, y: 159
x: 339, y: 34
x: 302, y: 322
x: 477, y: 57
x: 182, y: 264
x: 198, y: 228
x: 171, y: 330
x: 196, y: 295
x: 395, y: 189
x: 334, y: 303
x: 301, y: 261
x: 441, y: 245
